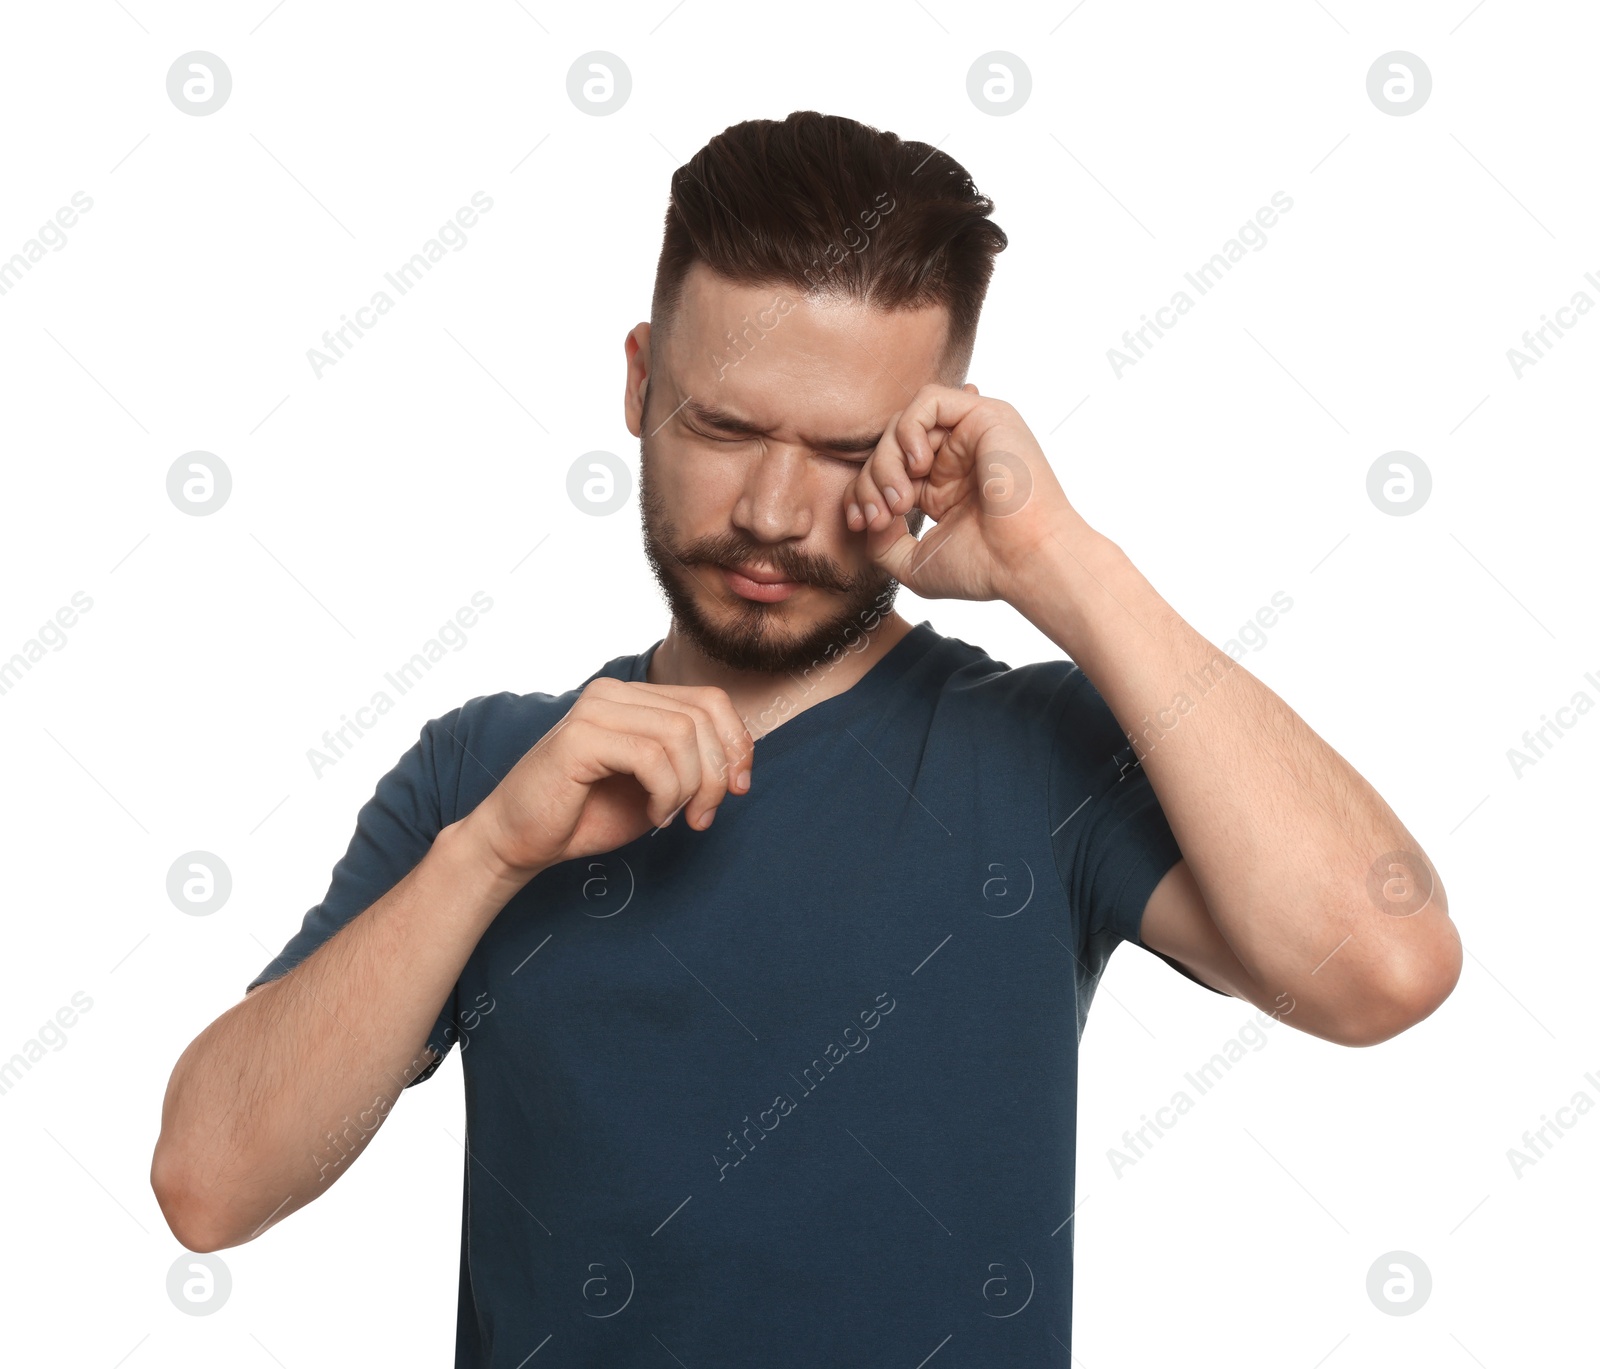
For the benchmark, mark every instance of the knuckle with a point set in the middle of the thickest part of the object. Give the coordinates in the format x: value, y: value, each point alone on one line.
x: 658, y: 753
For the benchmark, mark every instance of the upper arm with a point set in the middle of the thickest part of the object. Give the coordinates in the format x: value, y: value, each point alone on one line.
x: 1178, y: 925
x: 395, y: 829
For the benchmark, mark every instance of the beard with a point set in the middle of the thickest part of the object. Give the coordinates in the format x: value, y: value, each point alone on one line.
x: 747, y: 634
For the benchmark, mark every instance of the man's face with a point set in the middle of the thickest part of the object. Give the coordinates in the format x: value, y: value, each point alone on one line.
x: 814, y: 383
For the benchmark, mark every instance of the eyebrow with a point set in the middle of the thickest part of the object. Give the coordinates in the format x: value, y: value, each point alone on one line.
x: 720, y: 418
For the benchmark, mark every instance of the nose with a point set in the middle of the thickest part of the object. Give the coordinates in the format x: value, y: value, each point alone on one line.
x: 776, y: 503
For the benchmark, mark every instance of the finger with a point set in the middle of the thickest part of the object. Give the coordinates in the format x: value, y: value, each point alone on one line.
x: 866, y: 506
x: 934, y: 406
x: 738, y: 746
x: 606, y: 751
x: 862, y: 502
x: 679, y: 735
x: 887, y: 474
x: 738, y: 749
x: 688, y: 733
x: 683, y: 738
x: 893, y: 548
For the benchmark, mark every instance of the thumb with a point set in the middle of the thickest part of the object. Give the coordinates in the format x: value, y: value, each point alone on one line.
x: 893, y: 548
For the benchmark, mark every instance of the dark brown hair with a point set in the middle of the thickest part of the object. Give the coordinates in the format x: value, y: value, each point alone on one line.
x: 802, y: 203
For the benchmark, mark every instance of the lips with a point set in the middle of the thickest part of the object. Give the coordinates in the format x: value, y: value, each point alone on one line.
x: 763, y: 577
x: 763, y: 586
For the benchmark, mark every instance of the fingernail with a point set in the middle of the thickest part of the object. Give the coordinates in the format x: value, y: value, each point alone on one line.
x: 854, y: 512
x: 744, y: 779
x: 892, y: 495
x: 872, y: 512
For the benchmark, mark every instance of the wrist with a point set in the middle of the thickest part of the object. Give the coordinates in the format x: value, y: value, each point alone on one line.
x: 466, y: 844
x: 1069, y: 567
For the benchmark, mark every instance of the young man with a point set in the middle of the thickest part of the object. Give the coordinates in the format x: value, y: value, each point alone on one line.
x: 792, y: 1080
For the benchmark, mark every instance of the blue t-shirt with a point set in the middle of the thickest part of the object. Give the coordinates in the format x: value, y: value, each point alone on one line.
x: 800, y: 1089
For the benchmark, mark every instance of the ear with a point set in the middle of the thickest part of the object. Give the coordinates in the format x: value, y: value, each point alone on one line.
x: 636, y: 348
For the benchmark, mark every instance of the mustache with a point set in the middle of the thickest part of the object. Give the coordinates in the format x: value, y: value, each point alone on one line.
x: 723, y: 552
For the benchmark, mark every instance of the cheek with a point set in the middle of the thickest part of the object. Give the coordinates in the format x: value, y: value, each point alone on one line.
x: 846, y: 488
x: 701, y: 491
x: 694, y: 486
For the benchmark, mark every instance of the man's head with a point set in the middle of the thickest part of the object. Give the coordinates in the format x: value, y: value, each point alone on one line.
x: 814, y: 274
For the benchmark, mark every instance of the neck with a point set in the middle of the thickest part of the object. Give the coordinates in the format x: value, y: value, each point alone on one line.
x: 764, y: 699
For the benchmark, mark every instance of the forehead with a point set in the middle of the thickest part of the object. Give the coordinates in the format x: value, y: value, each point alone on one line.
x: 798, y: 359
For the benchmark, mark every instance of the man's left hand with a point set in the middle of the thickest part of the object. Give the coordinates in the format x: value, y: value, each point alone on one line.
x: 973, y: 465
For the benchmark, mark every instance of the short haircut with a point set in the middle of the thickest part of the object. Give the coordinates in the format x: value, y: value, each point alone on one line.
x: 801, y: 203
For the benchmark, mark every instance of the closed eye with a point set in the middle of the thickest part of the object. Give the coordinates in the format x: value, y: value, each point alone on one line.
x: 861, y: 460
x: 713, y: 437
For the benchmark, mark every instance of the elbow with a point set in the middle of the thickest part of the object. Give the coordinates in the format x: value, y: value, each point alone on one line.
x: 1412, y: 990
x: 187, y: 1214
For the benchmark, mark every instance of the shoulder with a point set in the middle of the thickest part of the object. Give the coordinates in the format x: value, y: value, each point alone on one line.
x: 494, y: 725
x: 474, y: 745
x: 1035, y: 696
x: 1049, y: 710
x: 505, y: 716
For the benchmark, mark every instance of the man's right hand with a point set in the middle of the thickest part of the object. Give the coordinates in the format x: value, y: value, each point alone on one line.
x: 256, y: 1098
x: 627, y: 756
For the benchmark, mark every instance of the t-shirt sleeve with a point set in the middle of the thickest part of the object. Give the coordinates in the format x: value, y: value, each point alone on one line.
x: 394, y: 830
x: 1111, y: 839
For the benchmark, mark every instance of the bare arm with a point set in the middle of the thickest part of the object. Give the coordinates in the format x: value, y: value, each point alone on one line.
x: 271, y: 1102
x: 1298, y: 880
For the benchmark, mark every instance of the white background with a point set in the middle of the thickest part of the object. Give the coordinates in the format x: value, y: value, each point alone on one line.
x: 368, y: 505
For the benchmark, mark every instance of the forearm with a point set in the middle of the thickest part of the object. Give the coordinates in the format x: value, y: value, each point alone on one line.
x: 1279, y: 831
x: 268, y: 1105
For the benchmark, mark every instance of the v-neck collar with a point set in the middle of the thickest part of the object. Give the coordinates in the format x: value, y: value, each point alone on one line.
x: 837, y: 710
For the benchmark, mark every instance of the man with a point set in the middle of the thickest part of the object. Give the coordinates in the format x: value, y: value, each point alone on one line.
x: 793, y: 1080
